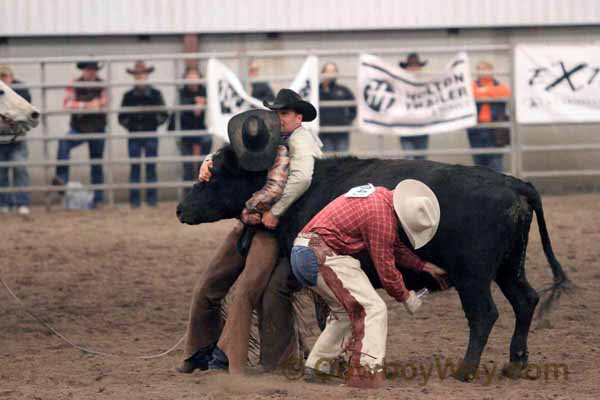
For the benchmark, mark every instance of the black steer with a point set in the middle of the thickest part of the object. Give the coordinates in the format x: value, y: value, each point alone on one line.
x: 482, y: 236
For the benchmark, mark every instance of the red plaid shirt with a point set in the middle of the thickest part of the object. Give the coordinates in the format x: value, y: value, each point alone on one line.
x: 351, y: 225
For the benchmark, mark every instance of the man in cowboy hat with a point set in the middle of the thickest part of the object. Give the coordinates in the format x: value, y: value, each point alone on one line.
x: 142, y: 95
x: 365, y: 218
x: 413, y: 64
x: 85, y: 98
x: 257, y: 286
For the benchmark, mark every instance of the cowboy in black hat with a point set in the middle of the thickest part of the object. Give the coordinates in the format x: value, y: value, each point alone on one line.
x: 142, y: 95
x: 87, y: 98
x: 254, y: 138
x: 198, y: 144
x: 414, y: 64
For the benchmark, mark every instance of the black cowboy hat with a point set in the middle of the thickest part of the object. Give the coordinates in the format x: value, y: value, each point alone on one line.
x: 254, y: 136
x: 287, y: 99
x: 411, y: 60
x: 89, y: 64
x: 140, y: 67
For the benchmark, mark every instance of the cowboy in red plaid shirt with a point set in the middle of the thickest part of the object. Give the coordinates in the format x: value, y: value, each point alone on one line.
x: 364, y: 219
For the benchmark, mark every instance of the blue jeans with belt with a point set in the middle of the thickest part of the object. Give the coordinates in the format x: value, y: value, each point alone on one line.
x: 305, y: 265
x: 150, y: 148
x: 14, y: 152
x: 96, y: 148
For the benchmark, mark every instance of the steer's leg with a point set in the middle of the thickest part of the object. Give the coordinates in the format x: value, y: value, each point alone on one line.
x: 481, y: 313
x: 523, y: 299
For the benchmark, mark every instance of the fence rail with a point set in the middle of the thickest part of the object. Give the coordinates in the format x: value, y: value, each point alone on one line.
x: 516, y: 149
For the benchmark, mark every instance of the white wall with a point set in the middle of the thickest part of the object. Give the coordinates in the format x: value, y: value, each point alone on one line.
x: 111, y: 17
x: 289, y: 65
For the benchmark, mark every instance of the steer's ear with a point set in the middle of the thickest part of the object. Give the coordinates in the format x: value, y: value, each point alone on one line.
x: 229, y: 161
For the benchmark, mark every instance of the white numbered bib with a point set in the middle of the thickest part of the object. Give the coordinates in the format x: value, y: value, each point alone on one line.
x: 361, y: 191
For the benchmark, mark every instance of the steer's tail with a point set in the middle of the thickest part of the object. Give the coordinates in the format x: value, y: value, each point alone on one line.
x: 561, y: 281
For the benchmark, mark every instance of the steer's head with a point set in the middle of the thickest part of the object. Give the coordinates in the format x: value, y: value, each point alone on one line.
x: 226, y: 193
x: 17, y: 116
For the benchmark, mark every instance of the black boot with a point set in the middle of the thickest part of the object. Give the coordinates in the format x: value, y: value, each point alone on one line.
x: 219, y: 360
x: 199, y: 360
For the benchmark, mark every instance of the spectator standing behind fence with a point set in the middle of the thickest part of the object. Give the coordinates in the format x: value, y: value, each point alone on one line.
x: 16, y: 152
x: 487, y: 87
x: 260, y: 89
x: 414, y: 65
x: 85, y: 98
x: 199, y: 144
x: 142, y: 95
x: 330, y: 90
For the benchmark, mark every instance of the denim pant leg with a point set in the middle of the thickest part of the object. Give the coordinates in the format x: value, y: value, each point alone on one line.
x: 64, y: 154
x: 96, y: 171
x: 335, y: 141
x: 135, y: 151
x: 151, y: 150
x: 21, y: 174
x: 5, y: 198
x: 485, y: 138
x: 305, y: 265
x: 205, y: 144
x: 188, y: 167
x: 419, y: 142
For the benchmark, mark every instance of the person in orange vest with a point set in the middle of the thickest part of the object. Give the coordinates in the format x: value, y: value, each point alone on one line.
x: 486, y: 87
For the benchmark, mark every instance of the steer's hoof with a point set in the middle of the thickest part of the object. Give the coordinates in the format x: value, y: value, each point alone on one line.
x: 514, y: 370
x: 466, y: 372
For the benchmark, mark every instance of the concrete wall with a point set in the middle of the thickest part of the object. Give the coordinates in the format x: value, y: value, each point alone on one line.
x: 286, y: 67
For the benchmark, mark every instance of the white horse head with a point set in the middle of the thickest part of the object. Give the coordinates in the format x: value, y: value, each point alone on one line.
x: 17, y: 116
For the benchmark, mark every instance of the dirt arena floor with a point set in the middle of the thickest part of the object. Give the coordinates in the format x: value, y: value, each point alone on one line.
x: 120, y: 280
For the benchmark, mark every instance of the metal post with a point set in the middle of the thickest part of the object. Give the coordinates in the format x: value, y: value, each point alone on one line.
x: 243, y: 65
x: 45, y: 133
x: 177, y: 121
x: 515, y: 137
x: 109, y: 148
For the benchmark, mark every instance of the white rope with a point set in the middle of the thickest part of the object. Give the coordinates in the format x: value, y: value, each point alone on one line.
x: 81, y: 348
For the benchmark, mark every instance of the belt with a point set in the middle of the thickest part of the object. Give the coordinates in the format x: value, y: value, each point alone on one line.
x: 316, y: 244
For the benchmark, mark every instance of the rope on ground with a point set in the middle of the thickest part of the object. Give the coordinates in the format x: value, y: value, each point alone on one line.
x: 82, y: 348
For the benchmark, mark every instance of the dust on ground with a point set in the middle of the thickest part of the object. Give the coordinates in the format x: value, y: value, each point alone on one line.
x: 120, y: 280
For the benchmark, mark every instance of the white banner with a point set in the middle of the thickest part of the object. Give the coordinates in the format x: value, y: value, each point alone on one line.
x: 227, y: 97
x: 306, y: 84
x: 557, y: 83
x: 394, y: 101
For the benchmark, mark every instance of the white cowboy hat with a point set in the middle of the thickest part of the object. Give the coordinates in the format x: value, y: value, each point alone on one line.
x: 418, y: 210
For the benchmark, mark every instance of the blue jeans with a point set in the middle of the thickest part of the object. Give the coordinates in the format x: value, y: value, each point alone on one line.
x: 482, y: 138
x: 335, y: 141
x: 14, y: 152
x: 305, y: 265
x: 150, y: 148
x: 419, y: 142
x: 190, y: 171
x: 96, y: 149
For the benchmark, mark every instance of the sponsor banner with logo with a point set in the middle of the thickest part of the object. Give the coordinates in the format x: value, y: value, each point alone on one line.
x: 227, y: 96
x: 557, y: 84
x: 394, y: 101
